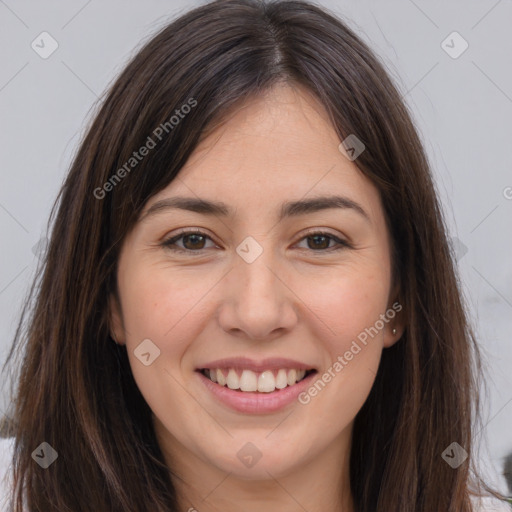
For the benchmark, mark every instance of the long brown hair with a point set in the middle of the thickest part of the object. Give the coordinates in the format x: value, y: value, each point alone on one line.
x: 75, y: 389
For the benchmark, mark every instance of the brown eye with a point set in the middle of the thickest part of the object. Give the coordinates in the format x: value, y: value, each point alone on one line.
x: 321, y: 242
x: 193, y: 241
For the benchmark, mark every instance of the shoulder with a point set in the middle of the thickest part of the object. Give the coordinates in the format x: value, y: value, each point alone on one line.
x: 490, y: 505
x: 6, y: 454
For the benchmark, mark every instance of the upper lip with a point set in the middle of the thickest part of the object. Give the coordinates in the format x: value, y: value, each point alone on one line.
x: 244, y: 363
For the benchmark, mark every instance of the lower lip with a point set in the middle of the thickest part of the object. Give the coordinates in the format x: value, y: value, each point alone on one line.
x: 256, y: 402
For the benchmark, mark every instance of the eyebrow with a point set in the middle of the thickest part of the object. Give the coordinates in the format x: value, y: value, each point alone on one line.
x: 288, y: 209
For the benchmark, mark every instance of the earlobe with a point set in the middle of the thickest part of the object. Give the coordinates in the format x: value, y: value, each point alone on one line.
x: 115, y: 320
x: 392, y: 335
x: 395, y: 327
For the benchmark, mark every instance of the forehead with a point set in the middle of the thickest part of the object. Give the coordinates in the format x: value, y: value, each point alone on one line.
x: 279, y: 146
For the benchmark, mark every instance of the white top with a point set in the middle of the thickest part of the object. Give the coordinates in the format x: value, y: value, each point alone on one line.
x: 6, y: 452
x: 6, y: 449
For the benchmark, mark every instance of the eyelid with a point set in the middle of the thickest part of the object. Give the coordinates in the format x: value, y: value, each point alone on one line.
x: 323, y: 231
x: 169, y: 240
x: 341, y: 242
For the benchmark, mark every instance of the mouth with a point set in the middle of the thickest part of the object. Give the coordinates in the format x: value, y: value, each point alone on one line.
x: 251, y: 386
x: 249, y: 381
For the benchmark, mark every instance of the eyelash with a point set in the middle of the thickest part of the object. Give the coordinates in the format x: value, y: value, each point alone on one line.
x: 168, y: 243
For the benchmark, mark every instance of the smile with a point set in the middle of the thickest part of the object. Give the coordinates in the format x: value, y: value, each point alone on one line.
x: 272, y: 399
x: 250, y: 381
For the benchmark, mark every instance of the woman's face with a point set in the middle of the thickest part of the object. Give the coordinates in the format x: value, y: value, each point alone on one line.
x: 257, y: 285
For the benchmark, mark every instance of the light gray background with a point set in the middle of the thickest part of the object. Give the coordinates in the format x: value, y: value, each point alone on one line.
x: 462, y: 107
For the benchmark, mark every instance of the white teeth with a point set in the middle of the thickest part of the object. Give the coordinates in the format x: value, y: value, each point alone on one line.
x: 220, y: 378
x: 249, y: 381
x: 233, y: 381
x: 266, y: 382
x: 292, y: 377
x: 281, y: 379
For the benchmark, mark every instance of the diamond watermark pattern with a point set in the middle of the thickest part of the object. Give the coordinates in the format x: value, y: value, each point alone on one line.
x: 454, y: 455
x: 39, y: 249
x: 45, y: 455
x: 44, y: 45
x: 454, y: 45
x: 351, y: 147
x: 249, y: 455
x: 146, y: 352
x: 459, y: 248
x: 249, y: 249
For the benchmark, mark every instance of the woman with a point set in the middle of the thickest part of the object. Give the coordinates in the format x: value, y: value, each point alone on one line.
x: 248, y: 297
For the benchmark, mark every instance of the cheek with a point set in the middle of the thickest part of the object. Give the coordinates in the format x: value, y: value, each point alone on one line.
x: 347, y: 311
x: 345, y: 303
x: 165, y: 306
x: 168, y: 308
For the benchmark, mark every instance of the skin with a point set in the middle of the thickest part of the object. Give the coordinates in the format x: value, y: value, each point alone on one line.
x: 297, y: 299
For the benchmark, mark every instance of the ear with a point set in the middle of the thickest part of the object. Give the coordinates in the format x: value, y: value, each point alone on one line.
x: 115, y: 318
x: 395, y: 316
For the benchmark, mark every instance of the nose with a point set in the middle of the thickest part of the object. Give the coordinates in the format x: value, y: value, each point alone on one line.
x: 257, y: 301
